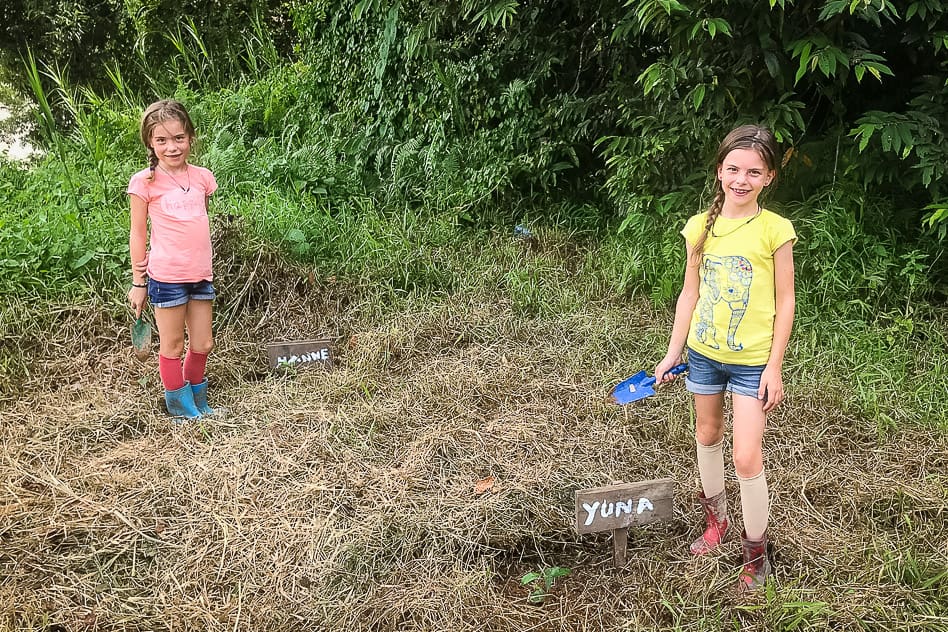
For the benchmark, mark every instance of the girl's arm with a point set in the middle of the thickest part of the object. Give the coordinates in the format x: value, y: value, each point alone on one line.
x: 137, y: 244
x: 771, y: 381
x: 684, y: 308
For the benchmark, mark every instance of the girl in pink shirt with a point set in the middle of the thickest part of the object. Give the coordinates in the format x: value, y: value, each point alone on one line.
x: 170, y: 197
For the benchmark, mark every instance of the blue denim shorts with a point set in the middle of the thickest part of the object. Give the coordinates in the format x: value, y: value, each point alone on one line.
x: 163, y: 294
x: 710, y: 377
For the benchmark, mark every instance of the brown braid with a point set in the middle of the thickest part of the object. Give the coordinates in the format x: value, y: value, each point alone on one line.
x: 156, y: 113
x: 713, y: 212
x: 755, y: 137
x: 152, y: 163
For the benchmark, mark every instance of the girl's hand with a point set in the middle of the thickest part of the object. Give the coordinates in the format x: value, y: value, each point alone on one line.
x: 137, y: 297
x: 662, y: 369
x: 771, y: 388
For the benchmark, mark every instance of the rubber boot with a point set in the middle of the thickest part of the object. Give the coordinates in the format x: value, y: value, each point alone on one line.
x: 180, y: 404
x: 716, y: 521
x: 200, y: 398
x: 756, y: 564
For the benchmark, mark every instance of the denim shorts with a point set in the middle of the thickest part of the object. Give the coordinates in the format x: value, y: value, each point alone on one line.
x: 710, y: 377
x: 163, y: 294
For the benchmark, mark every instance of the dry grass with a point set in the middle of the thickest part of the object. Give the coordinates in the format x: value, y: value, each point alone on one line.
x: 345, y: 500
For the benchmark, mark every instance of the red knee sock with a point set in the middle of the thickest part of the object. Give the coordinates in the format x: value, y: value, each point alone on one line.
x: 194, y: 365
x: 170, y: 371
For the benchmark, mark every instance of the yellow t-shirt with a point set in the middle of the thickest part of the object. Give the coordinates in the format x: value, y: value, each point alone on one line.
x: 733, y: 321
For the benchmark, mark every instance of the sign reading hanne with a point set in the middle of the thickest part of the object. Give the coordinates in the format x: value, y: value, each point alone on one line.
x: 624, y: 505
x: 292, y: 354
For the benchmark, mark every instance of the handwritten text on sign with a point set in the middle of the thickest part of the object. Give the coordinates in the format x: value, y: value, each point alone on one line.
x: 624, y: 505
x: 285, y: 354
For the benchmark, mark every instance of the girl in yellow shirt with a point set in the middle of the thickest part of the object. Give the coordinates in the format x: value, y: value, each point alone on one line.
x: 734, y: 314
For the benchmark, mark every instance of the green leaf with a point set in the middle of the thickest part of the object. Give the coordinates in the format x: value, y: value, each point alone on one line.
x: 805, y: 52
x: 361, y: 8
x: 773, y: 64
x: 800, y: 72
x: 698, y: 96
x: 887, y: 138
x: 719, y: 25
x: 865, y: 132
x: 295, y: 235
x: 939, y: 213
x: 827, y: 63
x: 833, y: 8
x: 877, y: 69
x: 83, y: 260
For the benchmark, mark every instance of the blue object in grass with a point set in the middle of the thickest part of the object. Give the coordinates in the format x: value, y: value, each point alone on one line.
x: 639, y: 386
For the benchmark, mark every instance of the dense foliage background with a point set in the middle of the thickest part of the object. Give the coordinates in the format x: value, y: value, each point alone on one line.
x: 570, y: 111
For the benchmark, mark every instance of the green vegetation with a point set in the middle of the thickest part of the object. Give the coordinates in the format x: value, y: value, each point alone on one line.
x: 541, y: 582
x: 374, y: 159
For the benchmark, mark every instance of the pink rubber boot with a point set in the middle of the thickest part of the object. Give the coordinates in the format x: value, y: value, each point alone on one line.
x: 756, y: 564
x: 715, y: 516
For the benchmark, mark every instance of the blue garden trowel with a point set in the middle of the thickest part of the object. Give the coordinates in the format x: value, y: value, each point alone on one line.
x: 639, y: 386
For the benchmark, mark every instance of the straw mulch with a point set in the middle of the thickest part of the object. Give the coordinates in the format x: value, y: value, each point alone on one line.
x: 346, y: 499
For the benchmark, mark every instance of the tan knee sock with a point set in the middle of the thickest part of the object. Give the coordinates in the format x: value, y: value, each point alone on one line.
x: 711, y: 468
x: 755, y: 505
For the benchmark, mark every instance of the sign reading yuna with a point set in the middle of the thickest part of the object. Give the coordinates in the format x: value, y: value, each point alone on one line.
x: 287, y: 354
x: 618, y: 507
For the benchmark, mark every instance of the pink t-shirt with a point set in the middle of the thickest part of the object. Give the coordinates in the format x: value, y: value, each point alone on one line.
x: 180, y: 229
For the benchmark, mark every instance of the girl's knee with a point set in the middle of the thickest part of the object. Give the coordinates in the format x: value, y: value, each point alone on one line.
x: 709, y: 430
x: 202, y: 346
x: 171, y: 348
x: 748, y: 462
x: 709, y: 436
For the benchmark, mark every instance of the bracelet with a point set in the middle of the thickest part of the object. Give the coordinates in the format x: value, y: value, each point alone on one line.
x: 139, y: 285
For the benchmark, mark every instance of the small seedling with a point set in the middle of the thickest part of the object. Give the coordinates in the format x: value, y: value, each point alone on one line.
x: 286, y: 368
x: 541, y: 582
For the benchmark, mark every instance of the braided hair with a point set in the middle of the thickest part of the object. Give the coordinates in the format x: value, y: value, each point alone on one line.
x: 755, y: 137
x: 157, y: 113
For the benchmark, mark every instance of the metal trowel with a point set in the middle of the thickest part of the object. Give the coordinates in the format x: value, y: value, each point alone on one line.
x: 639, y: 386
x: 141, y: 338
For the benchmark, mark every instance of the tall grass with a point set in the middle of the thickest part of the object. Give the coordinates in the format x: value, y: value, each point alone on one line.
x: 47, y: 122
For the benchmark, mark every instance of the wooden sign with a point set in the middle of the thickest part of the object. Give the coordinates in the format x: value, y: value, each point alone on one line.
x: 618, y: 507
x: 292, y: 354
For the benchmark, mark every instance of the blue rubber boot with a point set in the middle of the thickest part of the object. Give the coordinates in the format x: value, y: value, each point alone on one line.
x: 180, y: 404
x: 200, y: 398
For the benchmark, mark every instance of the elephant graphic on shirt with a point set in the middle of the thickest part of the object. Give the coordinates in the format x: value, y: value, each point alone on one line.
x: 727, y: 280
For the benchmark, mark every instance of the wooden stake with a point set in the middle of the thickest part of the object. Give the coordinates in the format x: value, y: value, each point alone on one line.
x: 620, y: 540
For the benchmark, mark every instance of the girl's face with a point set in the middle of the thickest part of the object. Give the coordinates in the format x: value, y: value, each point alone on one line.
x: 743, y: 175
x: 171, y: 144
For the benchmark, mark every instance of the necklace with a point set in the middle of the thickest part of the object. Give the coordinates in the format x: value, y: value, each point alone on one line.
x: 175, y: 180
x: 739, y: 226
